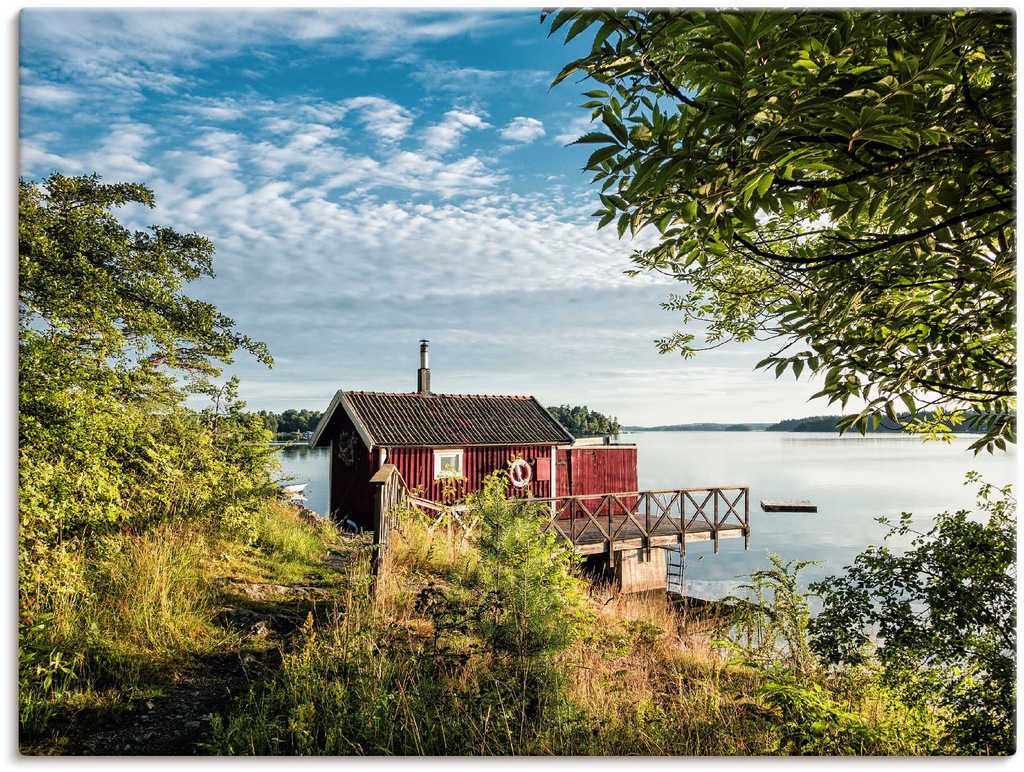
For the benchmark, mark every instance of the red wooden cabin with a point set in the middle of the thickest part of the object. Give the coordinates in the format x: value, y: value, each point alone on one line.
x: 430, y: 437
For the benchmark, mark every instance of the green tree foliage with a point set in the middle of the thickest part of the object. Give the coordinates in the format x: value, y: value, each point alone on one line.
x: 813, y: 712
x: 110, y: 456
x: 519, y: 597
x: 843, y: 182
x: 523, y: 580
x: 583, y: 422
x: 771, y: 626
x: 290, y: 421
x: 109, y: 347
x: 945, y: 613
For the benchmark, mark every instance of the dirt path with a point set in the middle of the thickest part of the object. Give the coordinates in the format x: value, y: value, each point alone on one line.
x: 177, y: 723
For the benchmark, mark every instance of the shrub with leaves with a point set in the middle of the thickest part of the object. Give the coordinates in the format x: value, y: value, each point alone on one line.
x: 770, y: 626
x: 529, y: 599
x: 944, y: 615
x: 109, y: 349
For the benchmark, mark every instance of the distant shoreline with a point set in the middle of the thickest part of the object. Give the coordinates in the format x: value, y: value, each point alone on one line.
x: 817, y: 424
x: 703, y: 427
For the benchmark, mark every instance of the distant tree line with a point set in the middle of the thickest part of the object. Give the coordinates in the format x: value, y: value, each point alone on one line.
x: 830, y: 423
x: 819, y: 423
x: 583, y: 422
x: 701, y: 427
x: 290, y: 422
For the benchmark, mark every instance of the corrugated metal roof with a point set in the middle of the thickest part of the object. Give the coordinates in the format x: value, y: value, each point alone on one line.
x: 451, y: 419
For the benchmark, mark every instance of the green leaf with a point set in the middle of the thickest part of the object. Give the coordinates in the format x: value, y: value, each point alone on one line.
x: 602, y: 154
x: 908, y: 400
x: 594, y: 137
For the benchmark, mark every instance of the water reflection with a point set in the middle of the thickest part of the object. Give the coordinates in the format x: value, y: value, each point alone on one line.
x: 301, y: 463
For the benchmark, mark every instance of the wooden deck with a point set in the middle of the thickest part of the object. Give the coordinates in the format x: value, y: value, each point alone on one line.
x: 646, y: 519
x: 591, y: 537
x: 604, y: 524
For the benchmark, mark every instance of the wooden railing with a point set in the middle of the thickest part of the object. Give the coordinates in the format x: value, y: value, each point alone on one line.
x: 649, y: 518
x: 594, y: 523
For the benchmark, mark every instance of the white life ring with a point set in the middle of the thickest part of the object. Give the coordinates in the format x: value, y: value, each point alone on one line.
x: 519, y: 473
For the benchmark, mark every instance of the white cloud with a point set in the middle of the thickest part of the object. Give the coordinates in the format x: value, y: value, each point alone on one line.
x: 36, y: 160
x: 523, y: 130
x: 446, y: 135
x: 448, y: 76
x: 121, y: 153
x: 438, y: 75
x: 386, y: 119
x: 219, y: 112
x: 386, y: 32
x: 575, y: 129
x: 48, y: 95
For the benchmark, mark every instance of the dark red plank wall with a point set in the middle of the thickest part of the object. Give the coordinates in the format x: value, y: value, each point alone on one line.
x: 417, y: 468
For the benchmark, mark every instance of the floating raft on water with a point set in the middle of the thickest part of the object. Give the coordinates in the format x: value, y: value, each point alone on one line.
x: 780, y: 505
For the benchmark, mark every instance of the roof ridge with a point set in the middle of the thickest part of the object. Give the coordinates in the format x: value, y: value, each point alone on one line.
x: 437, y: 394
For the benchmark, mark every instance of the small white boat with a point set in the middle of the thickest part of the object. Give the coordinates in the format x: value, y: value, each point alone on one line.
x: 294, y: 490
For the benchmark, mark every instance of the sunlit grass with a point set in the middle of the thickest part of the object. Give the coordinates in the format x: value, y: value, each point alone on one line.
x: 107, y: 622
x: 379, y: 670
x: 645, y: 677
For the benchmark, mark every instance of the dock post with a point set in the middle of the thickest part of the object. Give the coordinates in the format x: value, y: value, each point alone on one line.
x: 746, y: 518
x: 380, y: 535
x: 717, y: 524
x: 572, y: 522
x: 647, y: 522
x: 388, y: 490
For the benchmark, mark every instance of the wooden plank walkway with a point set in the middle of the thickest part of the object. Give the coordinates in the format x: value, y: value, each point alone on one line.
x: 591, y: 535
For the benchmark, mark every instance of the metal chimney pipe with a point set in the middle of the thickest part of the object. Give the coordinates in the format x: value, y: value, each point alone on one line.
x: 423, y: 374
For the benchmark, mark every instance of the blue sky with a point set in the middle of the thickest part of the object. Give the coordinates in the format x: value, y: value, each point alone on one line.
x: 371, y: 178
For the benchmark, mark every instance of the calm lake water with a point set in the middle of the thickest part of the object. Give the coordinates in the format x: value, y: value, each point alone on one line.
x: 853, y: 480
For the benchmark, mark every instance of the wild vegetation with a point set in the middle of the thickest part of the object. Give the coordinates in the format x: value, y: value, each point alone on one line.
x: 122, y: 489
x: 946, y: 610
x: 484, y: 641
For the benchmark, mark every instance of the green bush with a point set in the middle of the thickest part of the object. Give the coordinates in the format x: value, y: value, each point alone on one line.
x: 944, y: 614
x: 815, y: 713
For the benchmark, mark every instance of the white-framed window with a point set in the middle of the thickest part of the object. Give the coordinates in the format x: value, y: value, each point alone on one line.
x: 448, y: 463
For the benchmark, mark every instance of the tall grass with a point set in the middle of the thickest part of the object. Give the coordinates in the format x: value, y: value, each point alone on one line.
x: 110, y: 619
x: 426, y: 666
x: 481, y: 643
x: 382, y: 679
x: 104, y: 622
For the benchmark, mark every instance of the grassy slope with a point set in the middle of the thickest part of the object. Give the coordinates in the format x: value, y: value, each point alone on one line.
x: 132, y: 617
x: 394, y: 672
x: 401, y: 673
